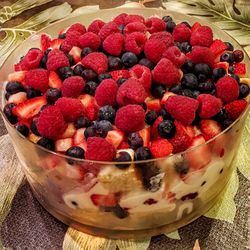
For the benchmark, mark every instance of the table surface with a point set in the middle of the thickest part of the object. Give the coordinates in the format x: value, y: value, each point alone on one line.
x: 24, y: 224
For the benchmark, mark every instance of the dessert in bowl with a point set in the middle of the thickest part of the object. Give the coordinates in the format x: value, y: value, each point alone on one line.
x: 126, y: 126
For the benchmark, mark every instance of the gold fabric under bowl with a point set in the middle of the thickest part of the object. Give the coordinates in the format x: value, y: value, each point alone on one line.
x: 65, y: 193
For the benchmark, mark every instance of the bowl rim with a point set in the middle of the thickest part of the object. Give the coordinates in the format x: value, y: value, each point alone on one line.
x: 78, y: 160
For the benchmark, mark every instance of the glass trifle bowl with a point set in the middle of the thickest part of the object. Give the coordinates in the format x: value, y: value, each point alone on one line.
x: 125, y: 199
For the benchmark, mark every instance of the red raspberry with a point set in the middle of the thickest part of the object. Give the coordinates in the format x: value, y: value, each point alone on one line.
x: 201, y: 55
x: 133, y: 18
x: 73, y: 86
x: 72, y: 36
x: 96, y: 61
x: 153, y: 49
x: 66, y: 45
x: 235, y: 108
x: 181, y: 33
x: 113, y: 44
x: 163, y: 36
x: 77, y: 27
x: 240, y: 69
x: 130, y: 118
x: 155, y: 24
x: 154, y: 129
x: 134, y: 42
x: 121, y: 73
x: 209, y: 105
x: 182, y: 108
x: 95, y: 26
x: 56, y: 60
x: 203, y: 36
x: 135, y: 27
x: 175, y: 56
x: 106, y: 93
x: 89, y: 39
x: 37, y: 79
x: 70, y: 108
x: 227, y: 89
x: 108, y: 29
x: 98, y: 149
x: 32, y: 59
x: 165, y: 72
x: 131, y: 92
x: 209, y: 128
x: 161, y: 148
x: 143, y: 75
x: 195, y: 26
x: 218, y: 46
x: 120, y: 19
x: 181, y: 140
x: 50, y: 123
x: 45, y: 42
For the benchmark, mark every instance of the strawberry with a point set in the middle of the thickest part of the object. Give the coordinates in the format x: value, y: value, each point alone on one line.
x: 45, y: 42
x: 76, y: 53
x: 55, y: 43
x: 17, y: 98
x: 153, y: 104
x: 109, y: 200
x: 62, y: 145
x: 218, y: 46
x: 209, y: 128
x: 79, y: 136
x: 29, y: 108
x: 154, y: 129
x: 17, y: 76
x: 240, y: 69
x: 115, y: 137
x: 69, y: 131
x: 117, y: 74
x: 123, y: 145
x: 165, y: 97
x: 145, y: 135
x: 224, y: 65
x: 90, y: 105
x: 54, y: 80
x: 195, y: 26
x: 161, y: 148
x: 190, y: 131
x: 199, y: 157
x: 235, y: 108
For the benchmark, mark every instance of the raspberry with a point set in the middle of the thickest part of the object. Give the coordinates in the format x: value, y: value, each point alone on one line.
x: 218, y: 46
x: 175, y: 56
x: 209, y: 105
x: 134, y: 42
x: 66, y: 46
x: 181, y: 33
x: 70, y: 108
x: 45, y: 41
x: 203, y: 36
x: 130, y: 118
x: 227, y: 89
x: 37, y: 79
x: 209, y: 128
x: 32, y: 59
x: 163, y: 36
x: 166, y: 73
x: 108, y: 29
x: 135, y: 27
x: 161, y: 148
x: 131, y: 92
x: 143, y: 75
x: 202, y: 55
x: 98, y: 149
x: 73, y: 86
x: 240, y: 69
x: 120, y: 19
x: 133, y: 18
x: 155, y: 24
x: 182, y: 108
x: 235, y: 108
x: 56, y: 60
x: 154, y: 49
x: 91, y: 40
x: 181, y: 140
x: 117, y: 74
x: 97, y: 61
x: 50, y: 123
x: 72, y: 36
x: 106, y: 93
x: 113, y: 44
x: 154, y: 129
x: 77, y: 27
x: 95, y: 26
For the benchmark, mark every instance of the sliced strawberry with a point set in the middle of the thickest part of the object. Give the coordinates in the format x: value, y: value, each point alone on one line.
x: 190, y: 131
x: 79, y: 136
x: 54, y: 80
x: 218, y: 46
x: 153, y: 104
x: 62, y: 145
x: 18, y: 98
x: 199, y: 157
x: 161, y: 148
x: 240, y: 69
x: 29, y: 108
x: 154, y: 130
x: 117, y: 74
x: 109, y: 200
x: 145, y: 135
x: 115, y: 137
x: 83, y: 145
x: 235, y: 108
x: 123, y: 145
x: 76, y: 53
x: 45, y: 41
x: 165, y: 97
x: 142, y: 74
x: 209, y: 128
x: 223, y: 65
x: 90, y: 105
x: 18, y: 76
x: 69, y: 132
x: 195, y: 26
x: 55, y: 43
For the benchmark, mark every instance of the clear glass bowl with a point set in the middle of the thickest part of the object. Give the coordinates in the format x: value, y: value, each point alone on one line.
x: 162, y: 202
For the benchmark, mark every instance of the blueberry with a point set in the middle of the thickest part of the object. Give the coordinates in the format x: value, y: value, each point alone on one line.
x: 114, y: 63
x: 206, y: 87
x: 176, y: 89
x: 226, y: 123
x: 187, y: 92
x: 102, y: 128
x: 33, y: 128
x: 167, y: 18
x: 32, y: 93
x: 158, y: 90
x: 78, y: 69
x: 14, y: 87
x: 189, y: 81
x: 218, y: 73
x: 165, y: 114
x: 238, y: 55
x: 103, y: 76
x: 166, y: 129
x: 181, y: 168
x: 71, y: 60
x: 185, y: 47
x: 7, y: 110
x: 120, y: 81
x: 221, y: 116
x: 230, y: 47
x: 7, y: 96
x: 196, y: 93
x: 90, y: 132
x: 86, y: 51
x: 90, y: 88
x: 106, y: 113
x: 142, y: 153
x: 150, y: 117
x: 135, y: 140
x: 144, y: 106
x: 227, y: 57
x: 65, y: 72
x: 120, y: 212
x: 62, y: 36
x: 122, y: 157
x: 76, y: 152
x: 43, y: 61
x: 82, y: 122
x: 147, y: 63
x: 202, y: 68
x: 129, y: 59
x: 235, y: 77
x: 244, y: 90
x: 89, y: 75
x: 187, y: 67
x: 53, y: 94
x: 201, y: 78
x: 46, y: 143
x: 23, y: 129
x: 170, y: 25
